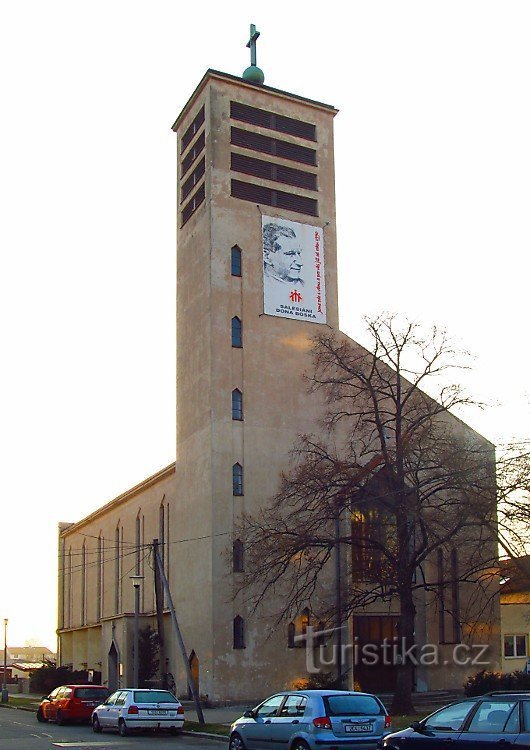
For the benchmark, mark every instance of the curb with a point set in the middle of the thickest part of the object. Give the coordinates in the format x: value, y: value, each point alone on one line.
x: 205, y: 735
x: 18, y: 708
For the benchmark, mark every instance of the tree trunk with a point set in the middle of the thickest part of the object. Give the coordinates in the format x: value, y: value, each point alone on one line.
x: 402, y: 700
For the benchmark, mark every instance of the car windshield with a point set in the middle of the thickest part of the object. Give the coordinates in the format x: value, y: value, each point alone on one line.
x: 352, y: 705
x: 154, y: 696
x: 93, y: 694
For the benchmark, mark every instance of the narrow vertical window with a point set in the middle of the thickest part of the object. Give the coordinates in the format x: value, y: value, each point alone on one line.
x: 237, y: 404
x: 238, y: 560
x: 239, y: 632
x: 237, y: 479
x: 291, y: 632
x: 455, y: 596
x: 237, y: 333
x: 63, y: 583
x: 117, y: 569
x: 69, y: 591
x: 83, y: 584
x: 138, y: 543
x: 99, y: 579
x: 236, y: 261
x: 162, y: 539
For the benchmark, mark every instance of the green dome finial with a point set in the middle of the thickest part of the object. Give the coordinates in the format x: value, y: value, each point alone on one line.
x: 253, y: 74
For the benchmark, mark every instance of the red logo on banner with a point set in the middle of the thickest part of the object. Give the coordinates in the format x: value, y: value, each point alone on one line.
x: 295, y: 296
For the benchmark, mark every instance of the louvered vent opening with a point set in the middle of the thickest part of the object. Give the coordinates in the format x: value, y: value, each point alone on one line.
x: 190, y: 157
x: 268, y: 197
x: 275, y: 172
x: 273, y: 121
x: 273, y: 146
x: 192, y: 130
x: 192, y: 180
x: 190, y: 207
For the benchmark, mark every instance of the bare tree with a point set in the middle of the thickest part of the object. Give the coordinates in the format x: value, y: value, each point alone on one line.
x: 393, y: 478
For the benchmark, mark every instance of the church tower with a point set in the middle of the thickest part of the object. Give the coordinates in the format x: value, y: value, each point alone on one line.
x: 256, y: 281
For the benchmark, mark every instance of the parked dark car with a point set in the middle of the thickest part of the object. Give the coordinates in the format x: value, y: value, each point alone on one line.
x: 71, y: 703
x: 495, y: 720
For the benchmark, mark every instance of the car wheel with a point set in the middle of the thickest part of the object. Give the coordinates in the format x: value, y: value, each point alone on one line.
x: 60, y: 719
x: 299, y: 745
x: 96, y: 726
x: 122, y: 728
x: 236, y: 742
x: 40, y: 716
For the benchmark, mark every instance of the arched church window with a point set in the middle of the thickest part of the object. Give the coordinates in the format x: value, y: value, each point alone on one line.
x: 237, y: 479
x: 237, y: 333
x: 239, y: 632
x: 236, y: 261
x: 237, y: 404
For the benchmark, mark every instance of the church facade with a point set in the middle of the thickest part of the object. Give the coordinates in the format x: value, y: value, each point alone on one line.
x: 256, y: 282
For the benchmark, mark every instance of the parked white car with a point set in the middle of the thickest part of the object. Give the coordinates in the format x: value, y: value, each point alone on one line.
x: 132, y: 709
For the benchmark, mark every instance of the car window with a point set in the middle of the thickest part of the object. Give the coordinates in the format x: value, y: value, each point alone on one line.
x: 154, y: 696
x: 53, y: 694
x: 270, y: 706
x: 294, y: 705
x: 60, y: 693
x: 492, y: 716
x: 451, y: 718
x: 120, y: 698
x: 67, y: 693
x: 92, y: 694
x: 112, y: 700
x: 352, y: 705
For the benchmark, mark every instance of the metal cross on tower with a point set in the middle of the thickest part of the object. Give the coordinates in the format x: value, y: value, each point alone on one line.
x: 252, y: 43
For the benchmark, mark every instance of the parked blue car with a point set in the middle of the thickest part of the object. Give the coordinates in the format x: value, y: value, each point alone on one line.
x: 312, y: 720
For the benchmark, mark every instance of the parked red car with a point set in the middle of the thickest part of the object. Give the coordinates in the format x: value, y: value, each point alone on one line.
x: 71, y: 703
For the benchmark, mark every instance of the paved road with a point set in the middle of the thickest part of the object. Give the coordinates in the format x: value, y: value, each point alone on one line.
x: 20, y: 730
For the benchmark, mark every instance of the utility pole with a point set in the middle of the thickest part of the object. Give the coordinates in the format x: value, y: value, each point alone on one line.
x: 5, y: 694
x: 159, y: 601
x: 136, y: 579
x: 165, y: 583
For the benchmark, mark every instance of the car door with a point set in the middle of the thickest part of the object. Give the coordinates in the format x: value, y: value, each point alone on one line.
x: 494, y: 724
x: 47, y: 708
x: 116, y: 709
x: 523, y: 740
x: 288, y: 721
x: 55, y: 702
x: 104, y: 712
x: 440, y: 730
x: 256, y: 731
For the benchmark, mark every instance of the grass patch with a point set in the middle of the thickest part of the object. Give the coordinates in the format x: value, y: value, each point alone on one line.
x: 23, y: 701
x: 194, y: 726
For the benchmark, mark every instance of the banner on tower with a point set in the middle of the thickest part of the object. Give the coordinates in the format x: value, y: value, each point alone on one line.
x: 293, y: 270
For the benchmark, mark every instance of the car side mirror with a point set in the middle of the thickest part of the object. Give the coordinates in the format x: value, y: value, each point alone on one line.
x: 249, y: 714
x: 416, y: 726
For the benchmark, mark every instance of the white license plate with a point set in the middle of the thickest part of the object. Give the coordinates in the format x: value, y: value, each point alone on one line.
x: 153, y: 712
x: 358, y: 727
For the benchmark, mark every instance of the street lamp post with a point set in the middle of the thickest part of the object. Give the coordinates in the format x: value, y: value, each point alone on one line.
x: 5, y: 695
x: 136, y: 579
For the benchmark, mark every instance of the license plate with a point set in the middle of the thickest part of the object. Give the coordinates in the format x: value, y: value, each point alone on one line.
x: 153, y: 712
x: 358, y: 727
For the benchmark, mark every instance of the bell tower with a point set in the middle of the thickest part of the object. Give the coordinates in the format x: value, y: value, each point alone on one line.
x: 256, y: 281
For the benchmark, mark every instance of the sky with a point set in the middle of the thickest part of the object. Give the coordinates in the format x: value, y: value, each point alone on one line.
x: 433, y: 186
